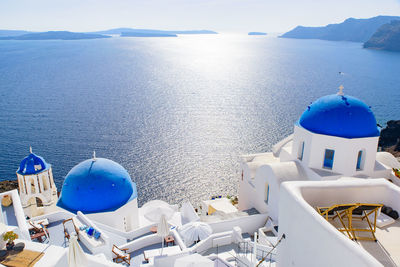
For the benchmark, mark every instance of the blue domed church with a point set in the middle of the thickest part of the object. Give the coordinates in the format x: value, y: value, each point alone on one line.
x: 337, y: 134
x: 335, y: 137
x: 102, y: 190
x: 36, y: 186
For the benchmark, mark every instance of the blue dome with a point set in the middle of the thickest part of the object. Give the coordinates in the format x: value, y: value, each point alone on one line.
x: 32, y: 164
x: 98, y: 185
x: 339, y: 115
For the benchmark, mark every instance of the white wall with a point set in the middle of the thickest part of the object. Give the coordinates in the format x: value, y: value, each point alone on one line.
x: 104, y: 249
x: 208, y: 243
x: 246, y: 189
x: 128, y: 235
x: 142, y: 242
x: 253, y: 191
x: 19, y: 213
x: 346, y: 151
x: 167, y: 261
x: 126, y: 218
x: 248, y: 224
x: 301, y: 223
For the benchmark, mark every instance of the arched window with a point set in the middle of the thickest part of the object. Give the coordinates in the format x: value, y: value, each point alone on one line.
x: 300, y: 151
x: 360, y: 164
x: 44, y: 182
x: 39, y: 202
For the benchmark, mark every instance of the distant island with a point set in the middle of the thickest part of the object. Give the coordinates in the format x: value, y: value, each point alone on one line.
x: 387, y: 37
x: 354, y: 30
x: 66, y: 35
x: 143, y: 34
x: 257, y: 33
x: 7, y: 33
x: 55, y: 35
x: 148, y: 32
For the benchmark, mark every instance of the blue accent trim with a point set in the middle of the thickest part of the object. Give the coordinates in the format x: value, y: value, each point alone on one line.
x: 341, y: 116
x: 328, y: 158
x: 93, y: 186
x: 33, y: 164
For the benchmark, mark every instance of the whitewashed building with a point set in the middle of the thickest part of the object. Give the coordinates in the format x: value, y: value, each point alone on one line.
x: 336, y: 136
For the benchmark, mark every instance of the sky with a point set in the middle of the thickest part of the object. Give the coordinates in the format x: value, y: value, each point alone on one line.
x: 219, y: 15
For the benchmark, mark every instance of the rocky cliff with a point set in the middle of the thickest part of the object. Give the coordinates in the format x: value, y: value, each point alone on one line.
x: 390, y: 138
x: 354, y: 30
x: 387, y: 37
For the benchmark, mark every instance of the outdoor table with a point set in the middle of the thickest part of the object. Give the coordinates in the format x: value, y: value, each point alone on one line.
x: 169, y: 239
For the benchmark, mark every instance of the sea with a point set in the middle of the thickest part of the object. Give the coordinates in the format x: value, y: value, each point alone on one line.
x: 177, y: 113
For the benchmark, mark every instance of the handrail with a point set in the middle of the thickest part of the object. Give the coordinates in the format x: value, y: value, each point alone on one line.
x: 273, y: 247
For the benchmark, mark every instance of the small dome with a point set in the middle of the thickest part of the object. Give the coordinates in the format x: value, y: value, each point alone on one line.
x: 32, y: 164
x: 339, y: 115
x: 96, y: 185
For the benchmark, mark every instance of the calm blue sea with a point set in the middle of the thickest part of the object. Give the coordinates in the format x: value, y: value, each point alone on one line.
x: 175, y: 112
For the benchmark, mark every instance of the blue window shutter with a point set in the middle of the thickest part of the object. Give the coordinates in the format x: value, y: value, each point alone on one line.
x: 328, y: 159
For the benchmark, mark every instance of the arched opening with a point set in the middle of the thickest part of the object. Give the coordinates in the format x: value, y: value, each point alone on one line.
x: 33, y: 189
x: 45, y: 183
x: 360, y: 160
x: 39, y: 202
x: 35, y: 208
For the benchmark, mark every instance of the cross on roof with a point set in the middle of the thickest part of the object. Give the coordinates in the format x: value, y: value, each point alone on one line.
x: 341, y: 87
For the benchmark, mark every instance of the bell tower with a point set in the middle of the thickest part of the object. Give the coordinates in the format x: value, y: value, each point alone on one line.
x: 37, y: 190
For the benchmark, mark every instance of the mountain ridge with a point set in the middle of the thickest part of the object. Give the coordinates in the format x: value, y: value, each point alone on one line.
x: 353, y: 30
x: 387, y: 37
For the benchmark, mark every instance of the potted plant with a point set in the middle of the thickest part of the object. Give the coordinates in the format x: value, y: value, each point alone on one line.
x: 10, y: 237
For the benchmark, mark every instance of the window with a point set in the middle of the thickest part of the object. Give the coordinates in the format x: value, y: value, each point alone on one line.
x: 266, y: 193
x: 359, y: 160
x: 301, y: 151
x: 328, y: 160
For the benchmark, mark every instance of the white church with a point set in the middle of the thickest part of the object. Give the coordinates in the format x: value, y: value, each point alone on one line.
x: 37, y: 190
x: 335, y: 137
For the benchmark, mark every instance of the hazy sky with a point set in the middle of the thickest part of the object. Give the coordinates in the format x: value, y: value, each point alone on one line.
x: 220, y: 15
